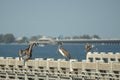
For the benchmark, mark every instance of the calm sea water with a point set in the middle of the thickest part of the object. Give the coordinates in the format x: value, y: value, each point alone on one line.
x: 77, y: 51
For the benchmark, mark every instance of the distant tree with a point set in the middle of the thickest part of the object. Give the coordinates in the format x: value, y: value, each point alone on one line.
x: 39, y: 36
x: 25, y: 40
x: 60, y: 37
x: 67, y: 37
x: 9, y: 38
x: 34, y: 38
x: 22, y: 40
x: 1, y: 38
x: 96, y: 37
x: 76, y: 37
x: 85, y: 37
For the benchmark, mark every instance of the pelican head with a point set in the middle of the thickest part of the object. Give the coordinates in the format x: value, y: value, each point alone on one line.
x: 33, y: 43
x: 60, y: 43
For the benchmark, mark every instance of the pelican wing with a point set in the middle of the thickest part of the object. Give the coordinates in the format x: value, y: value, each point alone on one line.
x: 64, y: 52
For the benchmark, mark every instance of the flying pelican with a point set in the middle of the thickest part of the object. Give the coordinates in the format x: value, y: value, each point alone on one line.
x: 64, y: 52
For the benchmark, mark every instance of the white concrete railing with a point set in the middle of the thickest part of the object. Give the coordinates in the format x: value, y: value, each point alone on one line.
x: 102, y: 56
x: 61, y: 69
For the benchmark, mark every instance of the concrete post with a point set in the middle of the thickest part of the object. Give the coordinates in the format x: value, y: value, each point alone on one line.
x: 25, y: 77
x: 36, y: 77
x: 7, y: 77
x: 71, y: 69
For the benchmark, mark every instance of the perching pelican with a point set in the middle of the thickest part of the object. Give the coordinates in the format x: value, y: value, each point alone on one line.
x: 27, y: 53
x: 88, y: 47
x: 64, y: 52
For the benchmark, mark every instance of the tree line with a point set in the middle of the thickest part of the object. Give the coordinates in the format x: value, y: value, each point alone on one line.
x: 10, y: 38
x: 7, y: 38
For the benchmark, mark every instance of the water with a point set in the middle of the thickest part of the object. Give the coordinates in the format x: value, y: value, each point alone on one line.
x: 77, y: 51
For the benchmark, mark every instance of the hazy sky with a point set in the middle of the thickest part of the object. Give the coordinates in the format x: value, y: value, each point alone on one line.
x: 60, y: 17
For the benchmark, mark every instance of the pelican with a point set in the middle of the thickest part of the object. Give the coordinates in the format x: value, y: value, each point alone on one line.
x: 88, y: 47
x: 64, y: 52
x: 27, y: 53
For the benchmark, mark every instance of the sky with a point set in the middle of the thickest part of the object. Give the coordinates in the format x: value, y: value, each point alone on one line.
x: 60, y: 17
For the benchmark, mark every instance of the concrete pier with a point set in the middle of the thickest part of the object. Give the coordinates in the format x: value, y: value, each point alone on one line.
x: 97, y: 66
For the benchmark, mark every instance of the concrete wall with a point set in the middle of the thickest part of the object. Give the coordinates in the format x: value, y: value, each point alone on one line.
x: 50, y: 69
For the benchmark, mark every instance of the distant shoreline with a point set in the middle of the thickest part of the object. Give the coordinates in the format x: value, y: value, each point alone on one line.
x: 13, y: 43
